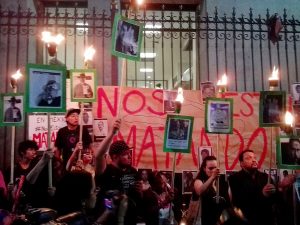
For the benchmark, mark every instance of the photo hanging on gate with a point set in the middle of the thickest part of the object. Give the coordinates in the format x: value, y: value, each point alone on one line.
x: 288, y: 152
x: 126, y: 38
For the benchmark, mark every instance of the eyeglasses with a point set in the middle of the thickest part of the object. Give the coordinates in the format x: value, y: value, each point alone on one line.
x: 211, y: 168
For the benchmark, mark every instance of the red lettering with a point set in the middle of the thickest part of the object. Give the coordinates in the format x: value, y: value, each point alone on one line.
x: 146, y: 145
x: 159, y: 98
x: 203, y: 135
x: 240, y: 148
x: 250, y: 107
x: 194, y: 155
x: 132, y: 135
x: 37, y: 138
x: 102, y: 97
x: 44, y: 139
x: 137, y: 94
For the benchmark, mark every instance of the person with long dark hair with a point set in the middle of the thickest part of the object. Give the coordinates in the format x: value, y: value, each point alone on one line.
x: 205, y: 190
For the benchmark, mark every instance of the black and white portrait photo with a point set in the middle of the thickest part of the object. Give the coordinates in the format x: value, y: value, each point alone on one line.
x: 12, y: 109
x: 46, y: 88
x: 126, y: 38
x: 296, y: 93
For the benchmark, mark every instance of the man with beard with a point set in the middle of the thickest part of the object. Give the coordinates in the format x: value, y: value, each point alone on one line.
x: 117, y: 180
x: 251, y: 192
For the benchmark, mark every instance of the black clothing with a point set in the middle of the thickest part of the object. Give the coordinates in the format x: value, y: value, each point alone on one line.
x: 54, y: 102
x: 67, y: 139
x: 247, y: 195
x: 211, y: 210
x: 114, y: 178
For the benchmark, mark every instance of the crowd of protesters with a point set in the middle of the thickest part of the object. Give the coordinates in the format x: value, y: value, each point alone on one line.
x: 116, y: 193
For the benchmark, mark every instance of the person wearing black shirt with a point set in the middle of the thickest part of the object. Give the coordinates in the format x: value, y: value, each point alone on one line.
x: 118, y: 176
x: 251, y: 192
x: 68, y: 137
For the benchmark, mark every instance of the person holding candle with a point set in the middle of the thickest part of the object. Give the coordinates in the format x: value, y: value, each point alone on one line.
x: 205, y: 190
x: 251, y: 192
x: 68, y: 137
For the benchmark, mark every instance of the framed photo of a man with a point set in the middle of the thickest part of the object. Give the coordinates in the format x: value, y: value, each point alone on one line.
x: 100, y: 128
x: 169, y: 100
x: 45, y: 88
x: 188, y: 179
x: 208, y: 90
x: 178, y: 133
x: 203, y: 152
x: 126, y: 38
x: 288, y: 152
x: 296, y: 93
x: 83, y: 85
x: 218, y: 115
x: 272, y: 106
x: 12, y: 113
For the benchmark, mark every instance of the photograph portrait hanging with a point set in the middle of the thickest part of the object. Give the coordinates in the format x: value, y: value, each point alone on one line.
x: 296, y: 93
x: 100, y: 128
x: 126, y: 38
x: 288, y: 152
x: 203, y: 152
x: 218, y: 115
x: 12, y: 113
x: 208, y: 90
x: 169, y: 101
x: 272, y: 106
x: 83, y: 85
x: 45, y: 88
x: 178, y: 133
x: 188, y: 179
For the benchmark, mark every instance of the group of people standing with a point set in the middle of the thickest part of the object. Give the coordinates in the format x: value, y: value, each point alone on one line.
x: 116, y: 193
x: 249, y: 195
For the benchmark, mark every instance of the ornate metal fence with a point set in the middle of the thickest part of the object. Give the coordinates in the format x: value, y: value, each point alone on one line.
x: 190, y: 48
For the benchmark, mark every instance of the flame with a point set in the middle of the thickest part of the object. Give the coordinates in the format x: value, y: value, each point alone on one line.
x: 47, y: 37
x: 17, y: 75
x: 179, y: 97
x: 223, y: 81
x: 289, y: 118
x: 274, y: 75
x: 89, y: 53
x: 139, y: 2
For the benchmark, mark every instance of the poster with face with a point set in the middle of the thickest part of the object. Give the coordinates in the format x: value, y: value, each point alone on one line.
x: 100, y: 129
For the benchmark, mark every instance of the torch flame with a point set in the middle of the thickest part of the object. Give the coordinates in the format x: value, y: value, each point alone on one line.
x: 17, y: 75
x: 179, y: 97
x: 139, y: 2
x: 47, y: 37
x: 89, y: 53
x: 223, y: 81
x: 274, y: 75
x: 289, y: 119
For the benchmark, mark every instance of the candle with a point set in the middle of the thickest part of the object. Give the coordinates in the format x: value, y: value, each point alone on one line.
x: 222, y: 84
x: 88, y: 55
x: 274, y: 79
x: 52, y: 41
x: 179, y: 100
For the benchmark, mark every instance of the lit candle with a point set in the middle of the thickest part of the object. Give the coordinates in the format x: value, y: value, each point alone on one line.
x: 274, y: 79
x: 222, y: 84
x: 52, y: 41
x: 88, y: 55
x: 289, y: 119
x: 179, y: 100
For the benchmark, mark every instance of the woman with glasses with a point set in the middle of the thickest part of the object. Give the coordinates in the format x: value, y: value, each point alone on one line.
x: 205, y: 190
